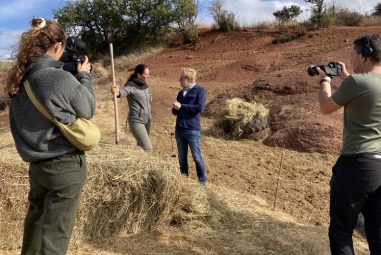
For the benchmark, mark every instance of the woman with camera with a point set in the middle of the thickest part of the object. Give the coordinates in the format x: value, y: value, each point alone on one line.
x: 139, y: 99
x: 57, y: 169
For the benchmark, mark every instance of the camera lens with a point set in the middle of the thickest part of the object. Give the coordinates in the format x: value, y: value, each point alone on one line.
x: 312, y: 70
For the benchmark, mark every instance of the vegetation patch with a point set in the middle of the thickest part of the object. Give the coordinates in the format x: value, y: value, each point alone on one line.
x: 285, y: 37
x: 240, y: 119
x: 123, y: 194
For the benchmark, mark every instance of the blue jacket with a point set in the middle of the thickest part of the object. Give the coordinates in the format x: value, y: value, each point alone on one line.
x: 188, y: 116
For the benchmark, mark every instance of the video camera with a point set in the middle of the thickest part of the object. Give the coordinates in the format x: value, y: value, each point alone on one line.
x: 74, y: 54
x: 331, y: 69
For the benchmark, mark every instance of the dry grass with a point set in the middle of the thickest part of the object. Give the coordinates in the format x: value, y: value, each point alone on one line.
x: 5, y: 66
x: 126, y: 191
x: 125, y: 61
x: 371, y: 20
x: 236, y: 120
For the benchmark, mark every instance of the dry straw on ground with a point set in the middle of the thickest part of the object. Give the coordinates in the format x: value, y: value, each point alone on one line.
x: 240, y: 119
x: 126, y: 191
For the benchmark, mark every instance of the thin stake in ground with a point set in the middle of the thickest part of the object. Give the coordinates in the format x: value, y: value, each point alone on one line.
x: 278, y: 179
x: 173, y: 155
x: 115, y: 96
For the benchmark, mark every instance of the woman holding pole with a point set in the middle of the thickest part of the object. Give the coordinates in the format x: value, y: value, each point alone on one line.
x: 139, y: 99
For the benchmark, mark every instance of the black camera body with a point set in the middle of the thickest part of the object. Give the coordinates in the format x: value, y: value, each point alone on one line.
x: 331, y: 69
x: 75, y: 51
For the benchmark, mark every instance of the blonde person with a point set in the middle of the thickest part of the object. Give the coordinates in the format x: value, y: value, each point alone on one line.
x: 139, y: 99
x: 57, y: 170
x: 189, y: 104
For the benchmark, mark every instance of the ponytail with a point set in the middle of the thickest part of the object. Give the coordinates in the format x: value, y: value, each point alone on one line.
x: 139, y: 69
x: 34, y: 43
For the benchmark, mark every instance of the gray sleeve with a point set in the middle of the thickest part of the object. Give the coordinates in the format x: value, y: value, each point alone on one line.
x: 83, y: 102
x: 126, y: 90
x: 346, y: 92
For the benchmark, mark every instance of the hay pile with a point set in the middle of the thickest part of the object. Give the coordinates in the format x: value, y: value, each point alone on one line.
x: 240, y: 119
x: 126, y: 191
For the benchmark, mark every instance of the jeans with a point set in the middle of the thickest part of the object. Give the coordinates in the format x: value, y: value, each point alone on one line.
x: 184, y: 138
x: 355, y: 188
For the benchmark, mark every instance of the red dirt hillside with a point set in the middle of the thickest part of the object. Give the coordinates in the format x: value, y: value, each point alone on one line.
x: 248, y: 65
x: 244, y: 173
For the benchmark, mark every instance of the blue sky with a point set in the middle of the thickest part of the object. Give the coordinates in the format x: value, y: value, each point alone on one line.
x: 16, y: 14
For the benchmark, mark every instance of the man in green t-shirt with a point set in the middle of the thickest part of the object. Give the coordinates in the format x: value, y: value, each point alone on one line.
x: 356, y: 176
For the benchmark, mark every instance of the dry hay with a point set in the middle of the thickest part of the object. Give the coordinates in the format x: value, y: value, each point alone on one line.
x: 126, y: 191
x: 240, y: 119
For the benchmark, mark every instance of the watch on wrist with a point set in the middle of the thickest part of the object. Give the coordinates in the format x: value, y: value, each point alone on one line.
x: 325, y: 80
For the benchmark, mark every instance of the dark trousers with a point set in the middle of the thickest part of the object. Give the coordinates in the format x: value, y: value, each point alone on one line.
x: 191, y: 138
x: 55, y: 186
x: 355, y: 188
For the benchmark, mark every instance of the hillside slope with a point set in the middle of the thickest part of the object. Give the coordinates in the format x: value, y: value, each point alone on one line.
x: 244, y: 173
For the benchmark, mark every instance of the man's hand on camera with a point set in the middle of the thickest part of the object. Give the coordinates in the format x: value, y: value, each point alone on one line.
x: 323, y: 76
x: 344, y: 68
x: 85, y: 66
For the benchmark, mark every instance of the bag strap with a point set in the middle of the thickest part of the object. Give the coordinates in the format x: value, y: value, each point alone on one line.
x: 36, y: 103
x: 37, y: 66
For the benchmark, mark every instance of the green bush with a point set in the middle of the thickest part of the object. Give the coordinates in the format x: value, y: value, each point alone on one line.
x: 224, y: 20
x: 348, y: 18
x: 287, y: 14
x: 288, y: 36
x: 227, y: 22
x: 190, y: 33
x: 290, y: 33
x: 325, y: 19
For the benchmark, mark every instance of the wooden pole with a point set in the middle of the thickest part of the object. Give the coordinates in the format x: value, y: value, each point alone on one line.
x: 115, y: 96
x: 278, y: 179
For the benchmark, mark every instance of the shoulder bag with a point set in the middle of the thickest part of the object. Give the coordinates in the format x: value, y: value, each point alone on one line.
x: 83, y: 134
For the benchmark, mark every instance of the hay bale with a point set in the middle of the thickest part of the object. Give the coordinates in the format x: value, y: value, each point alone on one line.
x: 241, y: 119
x: 126, y: 191
x: 13, y: 197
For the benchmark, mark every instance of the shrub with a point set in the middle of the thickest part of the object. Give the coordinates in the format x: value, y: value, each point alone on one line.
x: 287, y: 14
x: 190, y: 33
x: 348, y: 18
x: 227, y: 22
x: 324, y: 20
x: 288, y: 36
x: 291, y: 32
x: 224, y: 20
